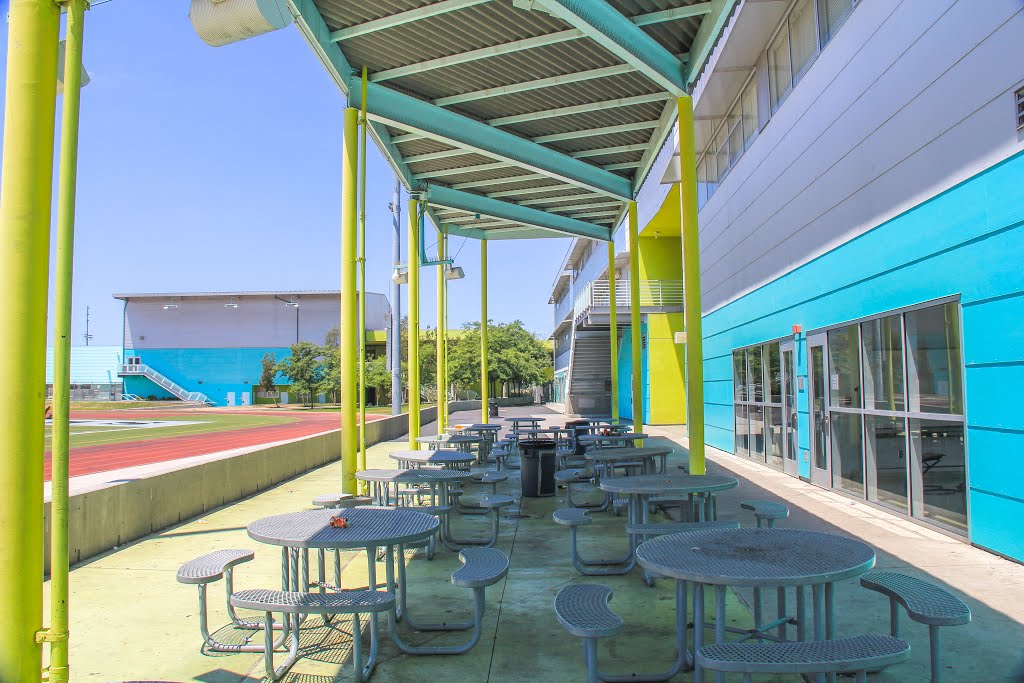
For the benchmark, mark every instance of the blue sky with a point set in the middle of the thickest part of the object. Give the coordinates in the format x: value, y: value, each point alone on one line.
x: 213, y: 169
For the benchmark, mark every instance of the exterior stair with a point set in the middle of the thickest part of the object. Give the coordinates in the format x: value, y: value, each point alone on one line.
x: 140, y: 370
x: 590, y: 377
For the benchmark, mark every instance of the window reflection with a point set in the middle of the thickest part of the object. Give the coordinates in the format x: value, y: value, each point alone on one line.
x: 938, y: 447
x: 883, y: 363
x: 757, y: 433
x: 847, y: 459
x: 886, y: 439
x: 742, y: 432
x: 773, y: 455
x: 934, y: 361
x: 844, y: 367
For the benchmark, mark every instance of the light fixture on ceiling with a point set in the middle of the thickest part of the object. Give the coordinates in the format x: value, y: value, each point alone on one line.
x: 454, y: 273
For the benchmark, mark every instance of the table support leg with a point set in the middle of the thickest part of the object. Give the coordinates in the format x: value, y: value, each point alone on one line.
x: 817, y: 591
x: 720, y: 624
x: 801, y: 613
x: 698, y: 629
x: 781, y: 600
x: 757, y: 610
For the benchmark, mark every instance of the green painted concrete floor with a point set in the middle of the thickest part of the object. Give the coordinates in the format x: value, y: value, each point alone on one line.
x: 132, y: 621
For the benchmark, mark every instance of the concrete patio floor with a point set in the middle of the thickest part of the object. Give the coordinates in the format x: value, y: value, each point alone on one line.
x: 132, y: 621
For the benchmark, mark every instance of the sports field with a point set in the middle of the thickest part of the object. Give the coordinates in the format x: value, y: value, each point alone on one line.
x: 102, y: 441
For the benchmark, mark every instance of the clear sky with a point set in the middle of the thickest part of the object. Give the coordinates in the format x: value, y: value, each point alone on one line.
x: 214, y: 169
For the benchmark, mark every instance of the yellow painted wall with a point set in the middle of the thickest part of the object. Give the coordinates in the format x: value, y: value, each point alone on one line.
x: 661, y: 258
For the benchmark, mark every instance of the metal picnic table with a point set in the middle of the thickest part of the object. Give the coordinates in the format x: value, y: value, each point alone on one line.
x: 758, y: 558
x: 446, y: 457
x: 368, y: 528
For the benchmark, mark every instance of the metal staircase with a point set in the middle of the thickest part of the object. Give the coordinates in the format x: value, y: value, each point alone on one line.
x: 140, y: 370
x: 590, y: 377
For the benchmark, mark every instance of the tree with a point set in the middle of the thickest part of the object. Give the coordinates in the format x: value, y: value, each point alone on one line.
x: 305, y: 367
x: 269, y: 374
x: 515, y: 355
x: 330, y: 383
x: 378, y: 376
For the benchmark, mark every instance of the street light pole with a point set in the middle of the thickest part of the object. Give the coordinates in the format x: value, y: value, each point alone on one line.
x: 396, y: 303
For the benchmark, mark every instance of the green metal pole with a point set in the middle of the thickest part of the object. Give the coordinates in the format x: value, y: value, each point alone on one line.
x: 25, y: 195
x: 364, y: 123
x: 634, y: 319
x: 613, y: 329
x: 349, y: 302
x: 484, y: 380
x: 59, y: 555
x: 414, y: 323
x: 439, y: 363
x: 691, y: 285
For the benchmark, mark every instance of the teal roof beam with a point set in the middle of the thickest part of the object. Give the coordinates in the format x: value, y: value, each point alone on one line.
x: 622, y: 166
x: 486, y: 206
x: 441, y: 173
x: 674, y: 14
x: 580, y: 109
x: 487, y: 182
x: 601, y: 151
x: 403, y: 18
x: 537, y: 84
x: 473, y: 55
x: 623, y: 38
x: 526, y: 190
x: 444, y: 154
x: 584, y: 207
x: 555, y: 200
x: 605, y: 130
x: 500, y: 145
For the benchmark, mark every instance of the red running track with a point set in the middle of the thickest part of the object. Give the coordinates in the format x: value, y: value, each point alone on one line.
x: 93, y: 459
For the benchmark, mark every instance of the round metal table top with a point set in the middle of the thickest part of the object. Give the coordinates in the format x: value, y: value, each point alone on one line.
x: 417, y: 476
x: 367, y: 526
x: 757, y: 557
x: 538, y: 430
x: 668, y: 484
x: 484, y: 428
x: 444, y: 456
x: 600, y: 438
x: 432, y: 438
x: 463, y: 438
x: 524, y: 419
x: 613, y: 454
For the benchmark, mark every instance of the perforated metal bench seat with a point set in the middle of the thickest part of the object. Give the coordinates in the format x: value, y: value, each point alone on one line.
x: 340, y: 500
x: 573, y: 475
x: 924, y: 602
x: 582, y: 610
x: 664, y: 528
x: 768, y: 510
x: 571, y: 516
x: 292, y: 602
x: 480, y: 567
x: 211, y: 566
x: 854, y: 654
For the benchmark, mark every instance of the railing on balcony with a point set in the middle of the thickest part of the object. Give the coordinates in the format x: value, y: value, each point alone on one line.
x: 653, y: 294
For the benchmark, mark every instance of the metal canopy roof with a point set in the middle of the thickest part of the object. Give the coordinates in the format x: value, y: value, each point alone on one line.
x: 517, y: 118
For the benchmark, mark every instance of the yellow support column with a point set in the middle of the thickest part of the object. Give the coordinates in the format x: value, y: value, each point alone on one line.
x: 59, y: 561
x: 25, y: 194
x: 484, y: 382
x: 691, y: 285
x: 349, y: 301
x: 363, y: 124
x: 613, y: 330
x: 414, y: 323
x: 439, y: 362
x: 634, y: 319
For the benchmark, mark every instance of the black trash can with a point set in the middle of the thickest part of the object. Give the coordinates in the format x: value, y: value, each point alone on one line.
x: 492, y: 406
x: 571, y: 425
x: 537, y: 467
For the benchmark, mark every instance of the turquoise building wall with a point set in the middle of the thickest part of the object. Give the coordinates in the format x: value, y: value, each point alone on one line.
x: 966, y: 242
x: 220, y: 371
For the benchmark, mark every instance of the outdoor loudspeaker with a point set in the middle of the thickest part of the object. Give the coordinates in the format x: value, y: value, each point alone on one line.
x: 221, y: 22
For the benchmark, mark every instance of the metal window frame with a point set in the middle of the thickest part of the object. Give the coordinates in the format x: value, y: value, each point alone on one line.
x: 765, y: 404
x: 1019, y: 105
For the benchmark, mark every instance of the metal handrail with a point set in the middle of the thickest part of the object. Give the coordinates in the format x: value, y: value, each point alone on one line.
x: 653, y: 294
x: 162, y: 381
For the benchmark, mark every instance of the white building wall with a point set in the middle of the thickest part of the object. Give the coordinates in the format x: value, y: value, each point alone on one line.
x: 257, y: 322
x: 908, y: 99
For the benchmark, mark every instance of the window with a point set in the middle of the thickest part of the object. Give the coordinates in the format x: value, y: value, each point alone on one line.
x: 894, y: 393
x: 1020, y: 110
x: 750, y: 121
x: 757, y: 388
x: 803, y: 37
x: 732, y: 137
x: 780, y: 75
x: 831, y: 15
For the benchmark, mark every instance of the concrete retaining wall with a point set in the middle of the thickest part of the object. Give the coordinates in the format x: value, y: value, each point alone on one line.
x: 106, y: 518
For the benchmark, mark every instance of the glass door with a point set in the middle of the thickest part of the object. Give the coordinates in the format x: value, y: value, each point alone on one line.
x: 789, y: 413
x: 821, y: 470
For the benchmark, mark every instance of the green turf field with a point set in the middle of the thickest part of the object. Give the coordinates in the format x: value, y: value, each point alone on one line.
x: 202, y: 423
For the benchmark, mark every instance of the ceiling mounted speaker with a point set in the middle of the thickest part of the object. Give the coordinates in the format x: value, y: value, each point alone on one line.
x: 221, y: 22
